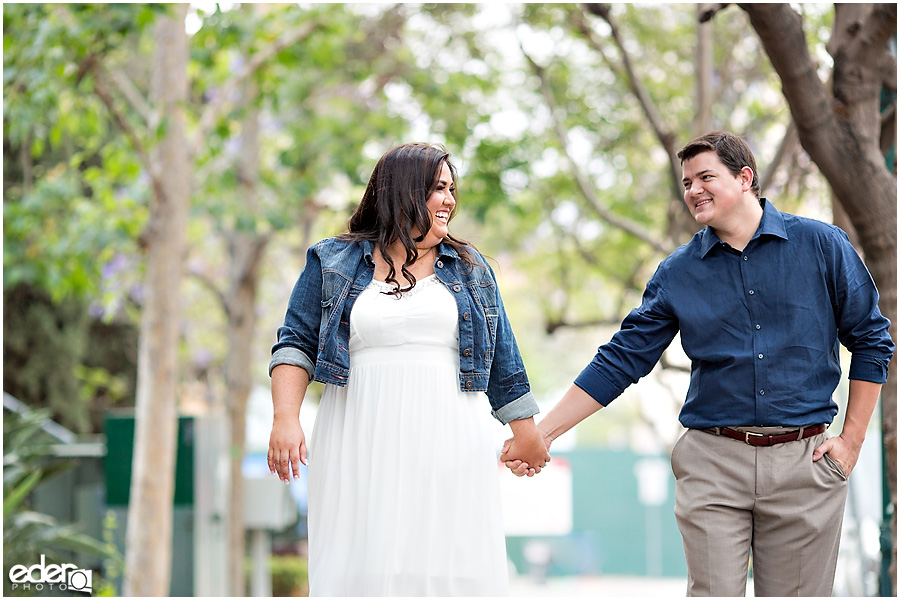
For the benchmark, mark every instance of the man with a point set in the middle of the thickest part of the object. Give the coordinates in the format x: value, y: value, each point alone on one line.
x: 761, y: 299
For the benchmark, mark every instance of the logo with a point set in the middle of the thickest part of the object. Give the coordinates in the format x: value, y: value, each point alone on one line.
x: 66, y: 577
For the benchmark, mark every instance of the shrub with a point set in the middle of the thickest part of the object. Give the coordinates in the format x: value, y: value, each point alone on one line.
x: 290, y: 576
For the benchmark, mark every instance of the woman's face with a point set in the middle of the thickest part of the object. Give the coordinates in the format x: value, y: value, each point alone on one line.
x: 440, y: 204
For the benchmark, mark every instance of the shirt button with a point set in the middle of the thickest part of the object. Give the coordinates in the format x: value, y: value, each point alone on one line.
x: 746, y: 258
x: 752, y: 292
x: 466, y: 316
x: 758, y: 326
x: 762, y: 392
x: 468, y: 385
x: 467, y: 352
x: 456, y: 288
x: 439, y: 265
x: 760, y: 357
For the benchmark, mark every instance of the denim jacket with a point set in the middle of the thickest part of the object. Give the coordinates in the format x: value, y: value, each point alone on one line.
x: 316, y: 330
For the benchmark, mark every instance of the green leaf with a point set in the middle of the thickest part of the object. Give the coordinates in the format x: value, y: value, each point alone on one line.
x: 12, y: 500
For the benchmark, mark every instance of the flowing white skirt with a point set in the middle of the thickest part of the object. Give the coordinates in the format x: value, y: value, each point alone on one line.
x: 404, y: 495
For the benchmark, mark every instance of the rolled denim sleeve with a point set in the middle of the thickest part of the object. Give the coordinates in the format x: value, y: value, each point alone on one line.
x: 292, y: 356
x: 298, y: 337
x: 521, y: 408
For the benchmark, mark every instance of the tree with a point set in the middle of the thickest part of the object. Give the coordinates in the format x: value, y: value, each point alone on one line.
x: 70, y: 218
x: 844, y: 131
x: 149, y: 530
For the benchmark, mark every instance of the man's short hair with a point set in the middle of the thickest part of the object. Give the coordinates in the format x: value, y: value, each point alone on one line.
x: 732, y: 150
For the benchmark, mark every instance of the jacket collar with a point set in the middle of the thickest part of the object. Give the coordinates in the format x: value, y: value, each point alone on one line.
x: 444, y: 251
x: 447, y: 251
x: 772, y: 224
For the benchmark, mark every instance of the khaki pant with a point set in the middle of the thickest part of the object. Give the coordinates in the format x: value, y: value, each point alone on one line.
x: 733, y: 499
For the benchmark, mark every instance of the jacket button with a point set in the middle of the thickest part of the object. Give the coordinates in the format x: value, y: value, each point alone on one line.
x: 439, y: 265
x: 466, y: 316
x: 468, y: 385
x: 467, y: 352
x: 456, y: 288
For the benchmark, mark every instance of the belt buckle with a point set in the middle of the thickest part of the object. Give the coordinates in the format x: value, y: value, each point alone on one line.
x: 747, y: 435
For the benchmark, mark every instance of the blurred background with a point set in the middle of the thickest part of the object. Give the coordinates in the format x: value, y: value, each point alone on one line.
x: 165, y: 168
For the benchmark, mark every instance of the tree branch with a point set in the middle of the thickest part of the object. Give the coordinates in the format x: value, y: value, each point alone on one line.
x: 207, y: 282
x: 586, y: 188
x: 870, y: 42
x: 832, y: 131
x: 248, y: 264
x: 93, y: 66
x: 784, y: 149
x: 215, y: 109
x: 780, y: 30
x: 710, y: 11
x: 663, y: 134
x: 889, y: 73
x: 554, y: 324
x: 127, y: 88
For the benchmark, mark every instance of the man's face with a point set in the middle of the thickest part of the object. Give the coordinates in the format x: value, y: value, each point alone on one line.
x: 711, y: 192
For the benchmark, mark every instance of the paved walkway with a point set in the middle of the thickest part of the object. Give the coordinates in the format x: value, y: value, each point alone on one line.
x: 615, y: 586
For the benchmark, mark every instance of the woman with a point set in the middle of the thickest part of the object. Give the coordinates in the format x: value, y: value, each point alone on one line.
x: 405, y: 326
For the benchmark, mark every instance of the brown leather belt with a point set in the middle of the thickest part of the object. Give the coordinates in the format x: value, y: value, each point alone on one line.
x: 761, y: 439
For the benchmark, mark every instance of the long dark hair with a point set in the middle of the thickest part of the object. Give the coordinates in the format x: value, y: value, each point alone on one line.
x: 394, y: 203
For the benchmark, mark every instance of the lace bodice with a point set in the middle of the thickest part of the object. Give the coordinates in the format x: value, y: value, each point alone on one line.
x: 421, y: 284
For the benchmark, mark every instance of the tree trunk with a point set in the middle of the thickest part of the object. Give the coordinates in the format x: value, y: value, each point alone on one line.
x: 148, y: 550
x: 841, y: 133
x: 703, y: 118
x: 246, y: 251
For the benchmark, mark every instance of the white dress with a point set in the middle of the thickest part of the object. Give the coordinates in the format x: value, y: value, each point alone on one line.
x: 404, y: 494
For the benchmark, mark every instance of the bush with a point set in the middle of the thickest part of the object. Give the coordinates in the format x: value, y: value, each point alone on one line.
x: 290, y: 575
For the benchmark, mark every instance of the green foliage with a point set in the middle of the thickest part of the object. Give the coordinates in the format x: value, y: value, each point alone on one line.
x: 290, y: 575
x: 43, y: 342
x: 70, y: 202
x: 28, y: 534
x: 55, y: 356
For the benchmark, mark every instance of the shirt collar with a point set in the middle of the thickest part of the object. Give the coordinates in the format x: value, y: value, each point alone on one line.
x: 772, y: 223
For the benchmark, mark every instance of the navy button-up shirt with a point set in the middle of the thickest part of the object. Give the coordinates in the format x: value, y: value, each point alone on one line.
x: 761, y: 327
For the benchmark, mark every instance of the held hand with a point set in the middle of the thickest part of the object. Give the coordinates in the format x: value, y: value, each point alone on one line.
x: 517, y: 467
x: 287, y: 449
x: 526, y: 454
x: 845, y: 453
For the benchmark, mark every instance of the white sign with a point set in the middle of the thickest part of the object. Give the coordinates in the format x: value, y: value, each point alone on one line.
x: 539, y: 505
x: 653, y: 481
